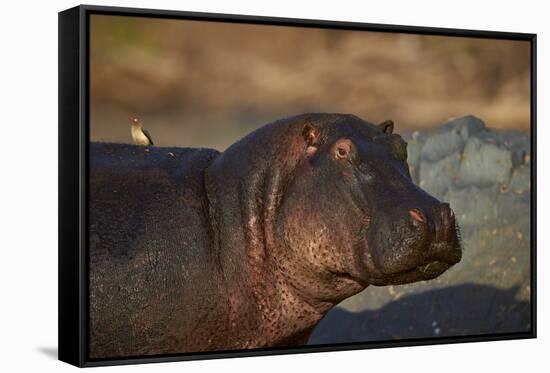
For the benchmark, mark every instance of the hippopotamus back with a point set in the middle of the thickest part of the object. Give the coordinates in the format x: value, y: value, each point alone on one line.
x: 149, y: 235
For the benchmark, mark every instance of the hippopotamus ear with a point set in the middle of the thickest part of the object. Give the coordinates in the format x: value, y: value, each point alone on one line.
x: 386, y: 126
x: 311, y: 137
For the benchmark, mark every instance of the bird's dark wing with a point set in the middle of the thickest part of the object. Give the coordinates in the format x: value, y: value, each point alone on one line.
x: 148, y: 135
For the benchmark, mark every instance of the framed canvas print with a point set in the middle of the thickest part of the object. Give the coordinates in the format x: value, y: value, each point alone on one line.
x: 237, y: 186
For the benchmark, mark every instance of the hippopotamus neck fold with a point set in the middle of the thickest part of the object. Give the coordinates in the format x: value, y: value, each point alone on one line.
x: 244, y: 192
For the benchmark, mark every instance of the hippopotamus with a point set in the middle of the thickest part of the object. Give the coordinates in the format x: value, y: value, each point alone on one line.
x: 194, y: 250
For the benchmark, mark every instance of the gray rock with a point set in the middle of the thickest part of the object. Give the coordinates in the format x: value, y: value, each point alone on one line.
x: 473, y: 205
x: 442, y: 144
x: 520, y: 145
x: 513, y: 208
x: 520, y: 181
x: 414, y: 149
x: 415, y: 142
x: 517, y: 142
x: 436, y: 177
x: 465, y: 126
x: 484, y: 164
x: 451, y: 137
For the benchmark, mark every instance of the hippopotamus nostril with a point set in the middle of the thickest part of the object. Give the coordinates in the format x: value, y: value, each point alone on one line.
x: 417, y: 215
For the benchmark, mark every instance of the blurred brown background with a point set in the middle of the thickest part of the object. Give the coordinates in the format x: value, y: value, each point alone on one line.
x: 206, y: 84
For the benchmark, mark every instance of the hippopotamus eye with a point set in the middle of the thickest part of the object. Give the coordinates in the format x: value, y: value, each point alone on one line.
x: 342, y: 149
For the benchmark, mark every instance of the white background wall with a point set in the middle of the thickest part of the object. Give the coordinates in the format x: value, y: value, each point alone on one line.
x: 28, y: 184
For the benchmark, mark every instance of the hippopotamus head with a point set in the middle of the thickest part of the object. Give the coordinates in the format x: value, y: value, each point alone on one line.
x: 328, y: 201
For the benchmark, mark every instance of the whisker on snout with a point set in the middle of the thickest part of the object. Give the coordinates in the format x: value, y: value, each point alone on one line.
x: 458, y: 233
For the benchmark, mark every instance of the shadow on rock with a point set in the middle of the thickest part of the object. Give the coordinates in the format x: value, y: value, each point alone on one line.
x: 459, y: 310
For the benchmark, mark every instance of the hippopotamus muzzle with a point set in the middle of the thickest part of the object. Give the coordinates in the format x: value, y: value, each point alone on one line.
x: 421, y: 244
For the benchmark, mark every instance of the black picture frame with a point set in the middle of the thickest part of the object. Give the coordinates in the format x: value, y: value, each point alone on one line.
x: 73, y: 102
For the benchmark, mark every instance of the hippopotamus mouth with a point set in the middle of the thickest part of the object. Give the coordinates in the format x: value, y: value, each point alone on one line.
x: 422, y: 272
x: 419, y: 248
